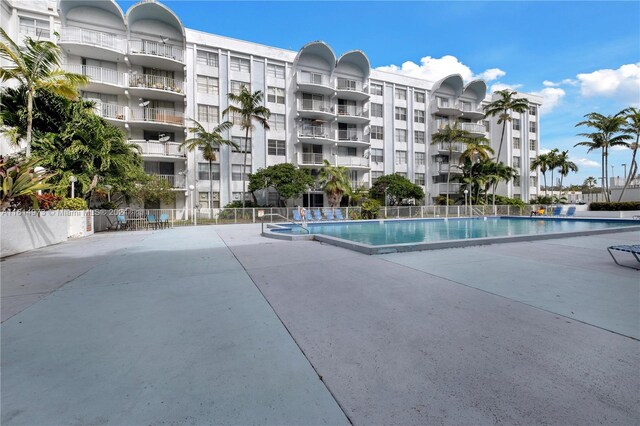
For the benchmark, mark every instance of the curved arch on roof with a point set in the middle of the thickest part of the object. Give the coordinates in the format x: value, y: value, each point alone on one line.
x: 64, y: 6
x: 358, y: 59
x: 454, y: 81
x: 476, y: 89
x: 320, y: 49
x: 158, y: 12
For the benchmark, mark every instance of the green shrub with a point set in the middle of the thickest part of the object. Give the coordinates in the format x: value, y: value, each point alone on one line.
x: 622, y: 206
x: 370, y: 209
x: 71, y: 204
x: 506, y: 201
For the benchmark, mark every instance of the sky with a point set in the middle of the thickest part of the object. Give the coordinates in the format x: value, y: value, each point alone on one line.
x: 580, y: 56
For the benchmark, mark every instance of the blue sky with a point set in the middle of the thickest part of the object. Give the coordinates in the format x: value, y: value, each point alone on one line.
x: 581, y: 56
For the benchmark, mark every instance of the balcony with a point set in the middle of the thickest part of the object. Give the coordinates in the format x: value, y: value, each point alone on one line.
x: 352, y: 138
x: 102, y: 80
x: 156, y: 87
x: 352, y: 114
x: 312, y: 159
x: 160, y: 149
x: 176, y: 181
x: 352, y: 162
x: 316, y: 134
x: 455, y: 147
x: 314, y: 83
x: 476, y: 130
x: 352, y: 89
x: 309, y: 108
x: 360, y: 184
x: 112, y: 112
x: 156, y: 118
x: 444, y: 188
x: 444, y: 168
x: 445, y: 107
x: 470, y: 111
x: 93, y: 44
x: 153, y: 54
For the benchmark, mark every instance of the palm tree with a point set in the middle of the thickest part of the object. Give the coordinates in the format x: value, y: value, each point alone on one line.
x: 590, y: 182
x: 541, y: 161
x: 565, y: 166
x: 249, y: 109
x: 607, y: 134
x: 476, y: 149
x: 450, y: 135
x: 632, y: 128
x: 335, y: 182
x: 36, y: 66
x: 552, y: 163
x: 503, y: 107
x: 210, y: 143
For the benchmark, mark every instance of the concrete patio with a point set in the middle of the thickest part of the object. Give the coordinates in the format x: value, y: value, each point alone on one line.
x: 217, y: 325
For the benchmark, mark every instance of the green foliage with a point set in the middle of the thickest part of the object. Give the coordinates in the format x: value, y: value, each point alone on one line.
x: 620, y: 206
x: 370, y: 209
x: 71, y: 204
x: 19, y: 179
x: 286, y: 179
x: 548, y: 199
x: 397, y: 188
x: 335, y: 182
x: 154, y: 189
x: 506, y: 201
x: 238, y: 205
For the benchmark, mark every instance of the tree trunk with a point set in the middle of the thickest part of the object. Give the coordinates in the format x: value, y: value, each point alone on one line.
x: 606, y: 174
x: 504, y: 126
x: 544, y: 177
x: 210, y: 187
x: 631, y: 169
x: 244, y: 163
x: 446, y: 209
x: 30, y: 94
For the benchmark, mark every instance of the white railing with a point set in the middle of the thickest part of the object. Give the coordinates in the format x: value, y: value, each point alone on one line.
x: 455, y: 147
x: 311, y: 158
x: 443, y: 188
x: 148, y: 47
x: 473, y: 127
x: 97, y: 74
x: 352, y: 161
x: 113, y: 111
x: 156, y: 82
x: 352, y: 135
x: 157, y: 115
x: 360, y: 184
x: 305, y: 77
x: 176, y: 181
x: 351, y: 85
x: 446, y: 167
x: 314, y: 105
x: 93, y: 38
x: 353, y: 111
x: 308, y: 131
x: 169, y: 149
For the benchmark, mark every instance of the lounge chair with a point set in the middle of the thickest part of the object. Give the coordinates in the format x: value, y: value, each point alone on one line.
x: 633, y: 249
x: 317, y: 215
x: 308, y: 216
x: 329, y: 215
x: 151, y: 221
x: 556, y: 211
x: 121, y: 222
x: 296, y: 215
x: 571, y: 211
x: 339, y: 215
x: 164, y: 220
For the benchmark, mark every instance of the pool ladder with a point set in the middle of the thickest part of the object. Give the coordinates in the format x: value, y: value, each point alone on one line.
x: 285, y: 218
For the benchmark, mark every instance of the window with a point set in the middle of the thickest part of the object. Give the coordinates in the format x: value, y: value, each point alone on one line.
x: 420, y: 158
x: 207, y: 85
x: 401, y: 157
x: 375, y: 176
x: 242, y: 143
x: 533, y: 127
x: 516, y: 162
x: 401, y: 94
x: 275, y: 95
x: 516, y: 181
x: 236, y: 172
x: 376, y: 89
x: 207, y: 113
x: 377, y: 110
x: 533, y: 110
x: 277, y: 122
x: 207, y: 58
x: 516, y: 124
x: 516, y: 143
x: 347, y: 151
x: 36, y: 28
x: 418, y: 116
x: 418, y: 136
x: 240, y: 64
x: 377, y: 132
x: 275, y: 71
x: 442, y: 102
x: 236, y: 87
x: 151, y: 135
x: 418, y: 97
x: 377, y: 155
x: 532, y: 145
x: 533, y: 181
x: 487, y: 125
x: 401, y: 114
x: 401, y: 135
x: 277, y: 147
x: 419, y: 179
x: 203, y: 171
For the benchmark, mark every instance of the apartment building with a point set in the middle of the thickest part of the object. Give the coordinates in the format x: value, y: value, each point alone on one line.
x: 150, y: 76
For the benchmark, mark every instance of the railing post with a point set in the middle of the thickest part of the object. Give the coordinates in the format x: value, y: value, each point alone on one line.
x: 235, y: 215
x: 254, y: 215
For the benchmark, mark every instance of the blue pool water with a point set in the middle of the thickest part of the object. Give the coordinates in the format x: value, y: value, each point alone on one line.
x: 431, y: 230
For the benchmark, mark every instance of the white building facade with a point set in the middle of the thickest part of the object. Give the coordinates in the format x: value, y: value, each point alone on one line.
x: 150, y: 76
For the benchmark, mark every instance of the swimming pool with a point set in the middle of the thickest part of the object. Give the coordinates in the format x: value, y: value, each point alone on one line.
x: 422, y: 234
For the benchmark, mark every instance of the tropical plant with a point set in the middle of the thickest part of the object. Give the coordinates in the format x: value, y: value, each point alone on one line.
x: 397, y: 189
x: 606, y: 135
x: 631, y: 128
x: 285, y: 178
x: 71, y: 204
x: 20, y: 179
x: 249, y: 109
x: 552, y: 163
x: 154, y: 189
x: 450, y: 135
x: 370, y: 209
x: 590, y: 182
x: 541, y: 162
x: 476, y: 149
x: 502, y: 107
x: 37, y: 66
x: 335, y: 182
x: 565, y: 166
x: 209, y: 143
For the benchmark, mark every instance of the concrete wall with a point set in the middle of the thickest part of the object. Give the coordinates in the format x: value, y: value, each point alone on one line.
x: 31, y: 230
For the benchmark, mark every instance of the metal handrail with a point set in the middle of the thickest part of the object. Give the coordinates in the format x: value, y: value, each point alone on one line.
x: 285, y: 218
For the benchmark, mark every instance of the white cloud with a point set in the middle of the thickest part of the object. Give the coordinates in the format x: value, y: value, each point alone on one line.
x: 501, y: 86
x: 623, y: 82
x: 618, y: 148
x: 551, y: 97
x: 434, y: 69
x: 566, y: 81
x: 585, y: 162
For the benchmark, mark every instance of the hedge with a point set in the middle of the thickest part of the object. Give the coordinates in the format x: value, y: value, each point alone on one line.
x: 622, y: 206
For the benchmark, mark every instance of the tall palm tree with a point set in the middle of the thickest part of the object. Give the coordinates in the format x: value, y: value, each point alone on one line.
x: 450, y: 135
x: 503, y: 107
x: 249, y: 109
x: 565, y: 166
x: 541, y: 161
x: 632, y: 128
x: 210, y: 143
x: 476, y: 149
x: 335, y: 182
x: 606, y: 135
x: 552, y: 163
x: 590, y: 182
x: 36, y: 66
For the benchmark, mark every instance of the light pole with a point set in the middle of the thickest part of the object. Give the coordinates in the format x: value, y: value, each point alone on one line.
x: 73, y: 181
x: 193, y: 202
x: 625, y: 171
x: 612, y: 176
x: 38, y: 171
x: 466, y: 192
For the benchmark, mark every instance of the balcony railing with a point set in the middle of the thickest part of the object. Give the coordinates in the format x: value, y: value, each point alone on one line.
x: 93, y: 38
x: 156, y: 82
x: 305, y: 77
x: 308, y: 131
x: 148, y: 47
x: 448, y: 167
x: 97, y: 74
x: 352, y: 161
x: 473, y: 127
x: 359, y: 184
x: 352, y: 135
x: 444, y: 188
x: 353, y: 111
x: 169, y: 149
x: 455, y: 147
x: 314, y: 105
x: 157, y: 115
x: 312, y: 158
x: 351, y: 85
x: 113, y: 111
x: 176, y: 181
